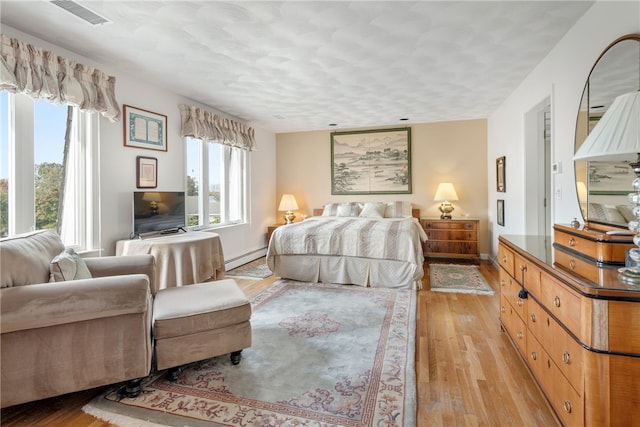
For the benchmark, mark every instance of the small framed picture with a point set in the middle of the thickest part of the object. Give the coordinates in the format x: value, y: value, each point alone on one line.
x: 146, y: 172
x: 144, y: 129
x: 500, y: 212
x: 501, y: 185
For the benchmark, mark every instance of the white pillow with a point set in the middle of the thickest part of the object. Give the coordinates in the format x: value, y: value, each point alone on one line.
x: 68, y: 266
x: 398, y: 210
x: 330, y: 209
x: 341, y: 209
x: 373, y: 210
x: 348, y: 209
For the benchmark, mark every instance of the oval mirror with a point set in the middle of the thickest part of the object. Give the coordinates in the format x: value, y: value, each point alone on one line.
x: 603, y: 186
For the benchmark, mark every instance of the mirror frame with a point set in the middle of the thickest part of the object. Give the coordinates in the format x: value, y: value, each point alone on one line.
x: 584, y: 124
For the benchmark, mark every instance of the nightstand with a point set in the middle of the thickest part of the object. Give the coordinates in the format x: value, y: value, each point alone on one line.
x: 270, y: 230
x: 451, y: 238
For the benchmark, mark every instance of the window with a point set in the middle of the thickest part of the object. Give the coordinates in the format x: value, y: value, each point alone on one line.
x: 46, y: 169
x: 216, y: 184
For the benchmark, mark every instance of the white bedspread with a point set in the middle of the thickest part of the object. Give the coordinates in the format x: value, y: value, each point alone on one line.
x: 374, y: 244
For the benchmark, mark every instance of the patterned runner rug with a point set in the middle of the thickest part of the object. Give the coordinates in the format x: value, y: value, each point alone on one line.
x: 254, y: 269
x: 322, y: 355
x: 458, y: 278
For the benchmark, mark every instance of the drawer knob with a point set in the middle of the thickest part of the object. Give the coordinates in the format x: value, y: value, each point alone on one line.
x: 519, y: 302
x: 556, y: 301
x: 567, y: 406
x: 502, y: 282
x: 533, y: 317
x: 572, y: 264
x: 504, y: 259
x: 566, y: 357
x: 534, y: 356
x: 572, y: 242
x: 523, y: 267
x: 520, y: 335
x: 503, y: 309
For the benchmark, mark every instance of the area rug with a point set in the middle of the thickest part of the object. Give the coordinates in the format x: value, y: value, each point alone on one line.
x: 458, y: 278
x: 254, y: 269
x: 322, y: 355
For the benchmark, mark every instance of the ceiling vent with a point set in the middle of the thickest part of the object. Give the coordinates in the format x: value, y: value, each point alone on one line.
x: 81, y: 12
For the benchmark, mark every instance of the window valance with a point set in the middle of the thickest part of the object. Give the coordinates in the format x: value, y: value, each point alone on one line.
x: 41, y: 74
x: 207, y: 126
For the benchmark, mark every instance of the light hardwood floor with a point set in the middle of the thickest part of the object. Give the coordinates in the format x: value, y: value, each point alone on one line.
x: 467, y: 371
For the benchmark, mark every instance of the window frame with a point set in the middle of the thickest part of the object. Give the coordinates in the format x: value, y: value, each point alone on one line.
x: 85, y: 211
x: 203, y: 183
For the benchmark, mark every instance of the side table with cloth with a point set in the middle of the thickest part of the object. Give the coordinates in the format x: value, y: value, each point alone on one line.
x: 181, y: 259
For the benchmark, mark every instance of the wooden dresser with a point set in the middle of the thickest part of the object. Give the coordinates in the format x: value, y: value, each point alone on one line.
x: 451, y: 238
x: 580, y: 338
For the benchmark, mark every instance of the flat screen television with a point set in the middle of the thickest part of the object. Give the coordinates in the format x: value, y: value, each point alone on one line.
x: 158, y: 211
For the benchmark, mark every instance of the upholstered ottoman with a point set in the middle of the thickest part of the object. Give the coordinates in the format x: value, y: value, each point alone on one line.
x: 197, y: 322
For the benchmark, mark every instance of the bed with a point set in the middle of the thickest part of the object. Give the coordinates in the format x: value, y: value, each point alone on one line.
x: 348, y: 247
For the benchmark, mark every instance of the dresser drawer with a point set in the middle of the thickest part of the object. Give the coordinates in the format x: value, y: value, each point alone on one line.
x: 451, y: 235
x: 527, y: 274
x: 510, y: 289
x: 561, y: 302
x: 561, y: 347
x: 577, y: 265
x: 449, y: 225
x: 567, y: 403
x: 443, y: 247
x: 514, y: 325
x: 506, y: 259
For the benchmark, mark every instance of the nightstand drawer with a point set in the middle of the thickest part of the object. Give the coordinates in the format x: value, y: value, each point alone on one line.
x: 451, y: 235
x: 449, y: 225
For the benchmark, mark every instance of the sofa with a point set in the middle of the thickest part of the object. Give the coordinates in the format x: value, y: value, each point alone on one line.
x: 70, y: 323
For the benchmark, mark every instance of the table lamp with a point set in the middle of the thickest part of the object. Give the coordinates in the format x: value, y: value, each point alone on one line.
x: 153, y: 198
x: 444, y: 194
x: 614, y: 138
x: 288, y: 204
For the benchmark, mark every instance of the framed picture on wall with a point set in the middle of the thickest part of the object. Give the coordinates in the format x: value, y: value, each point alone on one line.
x: 501, y: 184
x: 144, y: 129
x: 371, y: 162
x: 146, y: 172
x: 500, y: 212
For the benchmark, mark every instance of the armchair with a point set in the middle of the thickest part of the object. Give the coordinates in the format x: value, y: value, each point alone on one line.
x: 61, y: 337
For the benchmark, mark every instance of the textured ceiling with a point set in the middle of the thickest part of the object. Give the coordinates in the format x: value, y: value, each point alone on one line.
x: 301, y: 65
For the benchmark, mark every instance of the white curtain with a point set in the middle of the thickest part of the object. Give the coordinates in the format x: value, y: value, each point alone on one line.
x: 42, y: 74
x: 207, y: 126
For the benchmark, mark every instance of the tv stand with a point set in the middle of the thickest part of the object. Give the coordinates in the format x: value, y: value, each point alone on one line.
x: 181, y: 258
x: 173, y: 230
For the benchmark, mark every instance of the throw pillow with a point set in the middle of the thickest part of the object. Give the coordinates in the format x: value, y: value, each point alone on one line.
x: 348, y: 209
x: 68, y: 266
x: 373, y: 210
x: 398, y: 210
x: 330, y: 209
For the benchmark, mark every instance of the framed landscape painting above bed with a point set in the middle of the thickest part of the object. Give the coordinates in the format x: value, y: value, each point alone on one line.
x: 371, y: 162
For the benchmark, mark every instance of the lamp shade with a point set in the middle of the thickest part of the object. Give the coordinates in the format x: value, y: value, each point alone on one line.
x: 617, y: 134
x: 445, y: 191
x: 151, y: 196
x: 288, y: 203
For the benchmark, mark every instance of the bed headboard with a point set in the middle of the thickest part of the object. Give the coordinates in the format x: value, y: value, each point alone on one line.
x: 414, y: 212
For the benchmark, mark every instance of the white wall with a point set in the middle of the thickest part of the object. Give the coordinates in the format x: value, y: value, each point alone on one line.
x: 118, y: 164
x: 560, y: 77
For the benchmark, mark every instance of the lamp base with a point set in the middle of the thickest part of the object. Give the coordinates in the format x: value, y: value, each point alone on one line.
x: 289, y: 217
x: 446, y: 208
x: 630, y: 275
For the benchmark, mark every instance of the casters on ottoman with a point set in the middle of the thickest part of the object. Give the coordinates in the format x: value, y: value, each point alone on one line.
x: 131, y: 389
x: 235, y: 357
x: 173, y: 374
